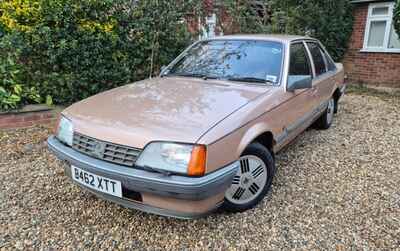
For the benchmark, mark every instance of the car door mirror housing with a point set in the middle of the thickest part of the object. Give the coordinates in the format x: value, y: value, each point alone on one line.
x: 296, y: 82
x: 163, y: 70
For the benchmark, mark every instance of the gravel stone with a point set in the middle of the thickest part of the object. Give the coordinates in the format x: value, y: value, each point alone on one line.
x: 336, y: 189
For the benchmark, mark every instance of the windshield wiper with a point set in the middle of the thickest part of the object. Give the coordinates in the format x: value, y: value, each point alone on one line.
x: 252, y: 80
x: 191, y: 75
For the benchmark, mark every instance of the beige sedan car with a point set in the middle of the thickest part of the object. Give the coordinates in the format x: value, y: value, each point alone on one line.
x: 205, y: 132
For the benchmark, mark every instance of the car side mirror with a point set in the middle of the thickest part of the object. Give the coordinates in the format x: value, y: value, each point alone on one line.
x: 296, y: 82
x: 162, y: 70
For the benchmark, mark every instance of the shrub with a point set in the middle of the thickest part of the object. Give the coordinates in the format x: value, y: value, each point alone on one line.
x: 396, y: 17
x: 2, y: 30
x: 10, y: 89
x: 74, y: 49
x: 13, y: 91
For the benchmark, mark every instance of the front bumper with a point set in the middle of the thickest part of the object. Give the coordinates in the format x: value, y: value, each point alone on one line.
x: 141, y: 181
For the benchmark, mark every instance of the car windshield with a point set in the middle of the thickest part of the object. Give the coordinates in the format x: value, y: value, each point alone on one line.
x: 236, y: 60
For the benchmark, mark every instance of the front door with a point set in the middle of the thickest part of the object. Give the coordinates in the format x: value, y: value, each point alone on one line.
x: 296, y: 111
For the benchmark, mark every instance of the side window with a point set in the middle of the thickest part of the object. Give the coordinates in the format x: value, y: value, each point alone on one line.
x: 329, y: 61
x: 299, y: 63
x: 318, y: 58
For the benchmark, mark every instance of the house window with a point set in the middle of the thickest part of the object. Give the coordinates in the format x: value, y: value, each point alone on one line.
x: 380, y: 35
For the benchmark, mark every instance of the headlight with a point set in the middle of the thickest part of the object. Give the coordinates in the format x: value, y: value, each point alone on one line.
x: 176, y: 158
x: 65, y: 131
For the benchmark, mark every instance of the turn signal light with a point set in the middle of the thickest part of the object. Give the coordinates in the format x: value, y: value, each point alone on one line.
x: 197, y: 164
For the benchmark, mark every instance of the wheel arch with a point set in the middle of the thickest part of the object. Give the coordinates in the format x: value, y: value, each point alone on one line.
x: 267, y: 140
x: 336, y: 96
x: 260, y: 133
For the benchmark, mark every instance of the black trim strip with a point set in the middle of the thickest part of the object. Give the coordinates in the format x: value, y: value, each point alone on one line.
x: 301, y: 121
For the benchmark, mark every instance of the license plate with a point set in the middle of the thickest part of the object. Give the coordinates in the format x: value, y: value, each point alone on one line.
x: 97, y: 182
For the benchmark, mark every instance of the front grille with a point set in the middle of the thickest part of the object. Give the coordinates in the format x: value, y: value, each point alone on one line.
x: 107, y: 151
x: 84, y: 144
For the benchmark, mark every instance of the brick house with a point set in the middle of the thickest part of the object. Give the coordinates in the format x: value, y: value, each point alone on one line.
x: 373, y: 56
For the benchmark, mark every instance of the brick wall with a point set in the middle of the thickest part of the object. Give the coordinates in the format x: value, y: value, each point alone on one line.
x: 381, y: 69
x: 27, y: 119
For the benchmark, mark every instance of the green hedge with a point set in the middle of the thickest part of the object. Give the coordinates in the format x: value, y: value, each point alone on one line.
x: 14, y: 91
x: 73, y: 49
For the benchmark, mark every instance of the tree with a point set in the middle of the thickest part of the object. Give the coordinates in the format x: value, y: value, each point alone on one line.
x: 330, y: 21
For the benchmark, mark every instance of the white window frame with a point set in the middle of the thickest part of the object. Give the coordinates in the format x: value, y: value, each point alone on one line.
x: 389, y: 22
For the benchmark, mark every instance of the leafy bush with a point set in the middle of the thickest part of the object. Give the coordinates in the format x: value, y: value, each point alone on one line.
x: 2, y: 30
x: 14, y: 91
x: 330, y: 21
x: 74, y: 49
x: 396, y: 17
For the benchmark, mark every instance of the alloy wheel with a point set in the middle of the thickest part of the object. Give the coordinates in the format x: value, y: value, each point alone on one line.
x: 249, y: 180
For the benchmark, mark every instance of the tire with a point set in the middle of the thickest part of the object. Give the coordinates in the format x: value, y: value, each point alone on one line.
x: 336, y: 105
x: 252, y: 181
x: 326, y: 119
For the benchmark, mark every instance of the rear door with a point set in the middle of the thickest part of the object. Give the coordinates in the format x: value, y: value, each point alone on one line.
x: 324, y: 68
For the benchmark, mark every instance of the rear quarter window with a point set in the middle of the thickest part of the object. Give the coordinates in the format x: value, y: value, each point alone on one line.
x: 331, y: 65
x: 318, y: 58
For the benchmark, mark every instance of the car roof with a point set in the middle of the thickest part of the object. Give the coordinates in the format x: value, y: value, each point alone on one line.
x: 271, y: 37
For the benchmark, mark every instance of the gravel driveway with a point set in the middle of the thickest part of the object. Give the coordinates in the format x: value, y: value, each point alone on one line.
x: 335, y: 189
